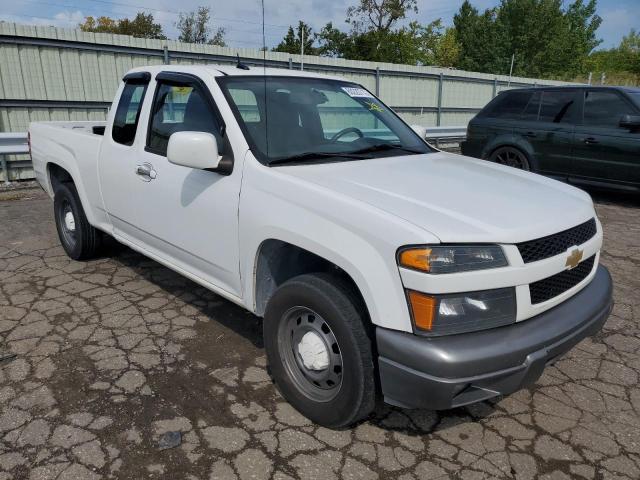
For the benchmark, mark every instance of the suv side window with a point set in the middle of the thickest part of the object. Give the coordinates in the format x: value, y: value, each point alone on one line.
x: 557, y: 106
x: 532, y: 109
x: 604, y: 109
x: 179, y: 108
x: 125, y: 121
x: 509, y: 105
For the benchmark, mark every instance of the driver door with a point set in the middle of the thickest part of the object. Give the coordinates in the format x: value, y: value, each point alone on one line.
x: 188, y: 217
x: 603, y: 150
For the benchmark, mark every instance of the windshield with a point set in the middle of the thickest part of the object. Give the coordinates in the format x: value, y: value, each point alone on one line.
x: 307, y: 120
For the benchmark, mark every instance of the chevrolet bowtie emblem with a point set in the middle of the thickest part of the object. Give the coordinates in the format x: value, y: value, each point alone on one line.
x: 573, y: 259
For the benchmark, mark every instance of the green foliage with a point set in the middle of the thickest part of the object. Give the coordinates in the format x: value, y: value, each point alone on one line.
x: 447, y: 49
x: 548, y: 40
x: 414, y: 44
x: 291, y: 43
x: 379, y: 15
x: 142, y: 26
x: 194, y: 28
x: 375, y: 36
x: 621, y: 65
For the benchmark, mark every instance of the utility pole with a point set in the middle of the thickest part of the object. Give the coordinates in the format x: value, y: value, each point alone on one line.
x: 513, y: 57
x: 302, y: 47
x: 603, y: 78
x: 590, y: 78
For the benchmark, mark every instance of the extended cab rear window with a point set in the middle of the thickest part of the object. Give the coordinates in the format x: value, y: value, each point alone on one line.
x: 125, y: 122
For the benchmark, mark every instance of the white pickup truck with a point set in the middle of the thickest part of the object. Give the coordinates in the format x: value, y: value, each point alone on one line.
x: 383, y: 268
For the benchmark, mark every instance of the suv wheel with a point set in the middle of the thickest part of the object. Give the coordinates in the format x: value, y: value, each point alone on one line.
x: 79, y: 239
x: 318, y: 349
x: 511, y: 157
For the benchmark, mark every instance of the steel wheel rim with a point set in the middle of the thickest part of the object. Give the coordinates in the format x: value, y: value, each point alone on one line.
x: 68, y: 225
x: 320, y: 386
x: 511, y: 158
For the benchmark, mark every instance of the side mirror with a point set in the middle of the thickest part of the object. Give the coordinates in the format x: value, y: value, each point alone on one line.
x: 194, y: 150
x: 420, y: 130
x: 631, y: 122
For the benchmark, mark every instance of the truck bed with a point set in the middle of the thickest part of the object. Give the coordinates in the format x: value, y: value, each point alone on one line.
x: 74, y: 146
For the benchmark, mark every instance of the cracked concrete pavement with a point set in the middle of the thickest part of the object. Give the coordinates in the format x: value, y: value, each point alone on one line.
x: 124, y: 369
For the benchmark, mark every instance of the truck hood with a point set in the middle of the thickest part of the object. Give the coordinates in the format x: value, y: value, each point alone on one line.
x: 456, y: 198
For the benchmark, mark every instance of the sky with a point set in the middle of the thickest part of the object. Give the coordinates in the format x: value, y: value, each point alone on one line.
x: 242, y: 18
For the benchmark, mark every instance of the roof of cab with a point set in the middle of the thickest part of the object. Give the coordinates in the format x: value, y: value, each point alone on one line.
x: 578, y: 86
x: 231, y: 70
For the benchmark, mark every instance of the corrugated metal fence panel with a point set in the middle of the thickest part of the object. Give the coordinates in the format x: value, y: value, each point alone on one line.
x: 54, y: 64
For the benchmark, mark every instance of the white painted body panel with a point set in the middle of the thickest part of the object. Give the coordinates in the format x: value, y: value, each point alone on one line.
x: 355, y: 214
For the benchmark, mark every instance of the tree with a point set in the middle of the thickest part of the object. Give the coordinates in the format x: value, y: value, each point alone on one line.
x: 447, y: 50
x: 547, y: 38
x: 620, y: 64
x: 194, y: 28
x: 379, y: 15
x: 375, y: 35
x: 142, y: 26
x: 291, y: 42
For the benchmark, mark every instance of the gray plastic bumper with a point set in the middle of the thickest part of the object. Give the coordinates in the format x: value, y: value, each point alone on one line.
x: 450, y: 371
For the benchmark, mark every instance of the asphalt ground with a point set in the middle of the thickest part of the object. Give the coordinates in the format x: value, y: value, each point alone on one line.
x: 125, y: 369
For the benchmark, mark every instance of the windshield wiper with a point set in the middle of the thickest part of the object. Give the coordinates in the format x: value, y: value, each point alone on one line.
x: 317, y: 155
x: 379, y: 147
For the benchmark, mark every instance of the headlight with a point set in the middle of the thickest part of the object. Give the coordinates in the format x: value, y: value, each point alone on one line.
x: 452, y: 259
x: 462, y: 312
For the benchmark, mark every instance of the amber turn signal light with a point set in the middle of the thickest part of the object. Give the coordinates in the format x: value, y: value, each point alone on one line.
x: 417, y: 258
x: 423, y: 309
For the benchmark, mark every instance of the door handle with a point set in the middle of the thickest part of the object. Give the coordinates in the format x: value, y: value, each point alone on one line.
x: 590, y: 141
x: 531, y: 134
x: 146, y: 171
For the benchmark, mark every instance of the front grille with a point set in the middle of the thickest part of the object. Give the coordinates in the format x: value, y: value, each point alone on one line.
x: 549, y: 246
x: 550, y: 287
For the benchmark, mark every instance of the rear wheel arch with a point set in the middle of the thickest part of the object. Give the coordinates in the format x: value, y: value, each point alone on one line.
x: 526, y: 152
x: 58, y: 175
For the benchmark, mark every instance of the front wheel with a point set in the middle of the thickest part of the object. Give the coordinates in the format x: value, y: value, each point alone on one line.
x: 511, y: 157
x: 319, y: 351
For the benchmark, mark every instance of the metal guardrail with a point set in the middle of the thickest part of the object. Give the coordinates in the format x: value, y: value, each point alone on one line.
x: 10, y: 144
x: 16, y: 143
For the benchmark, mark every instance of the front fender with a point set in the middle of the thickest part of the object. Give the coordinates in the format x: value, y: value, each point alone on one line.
x: 356, y: 237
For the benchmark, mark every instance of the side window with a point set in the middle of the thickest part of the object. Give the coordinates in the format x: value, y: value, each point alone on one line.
x: 557, y: 106
x: 125, y: 121
x: 509, y: 105
x: 532, y: 109
x: 604, y: 109
x: 179, y: 108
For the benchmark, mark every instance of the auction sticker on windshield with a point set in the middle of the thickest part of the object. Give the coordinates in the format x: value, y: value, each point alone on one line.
x: 357, y: 92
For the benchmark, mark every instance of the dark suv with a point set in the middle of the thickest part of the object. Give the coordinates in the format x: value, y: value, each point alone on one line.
x: 585, y: 135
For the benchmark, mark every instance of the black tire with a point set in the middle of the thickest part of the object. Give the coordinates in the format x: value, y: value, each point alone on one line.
x: 511, y: 157
x: 81, y: 241
x: 333, y: 300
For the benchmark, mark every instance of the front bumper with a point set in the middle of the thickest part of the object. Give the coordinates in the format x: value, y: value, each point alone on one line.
x: 438, y: 373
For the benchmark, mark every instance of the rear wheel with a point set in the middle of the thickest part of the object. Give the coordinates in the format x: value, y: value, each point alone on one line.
x: 511, y: 157
x: 319, y: 351
x: 80, y: 240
